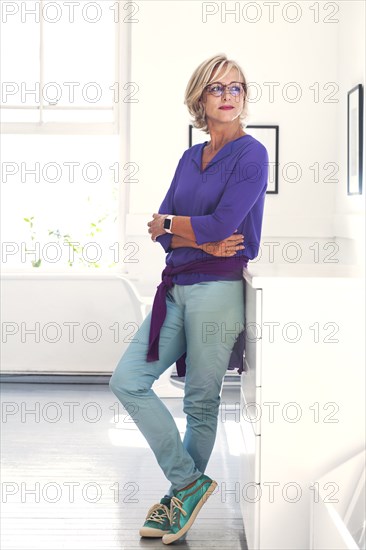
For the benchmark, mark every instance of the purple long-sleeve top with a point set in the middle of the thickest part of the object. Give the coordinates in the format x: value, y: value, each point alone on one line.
x: 227, y: 195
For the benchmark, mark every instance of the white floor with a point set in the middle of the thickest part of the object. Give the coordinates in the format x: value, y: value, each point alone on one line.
x: 77, y: 474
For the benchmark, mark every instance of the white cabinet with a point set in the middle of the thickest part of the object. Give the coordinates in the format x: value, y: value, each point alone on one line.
x: 302, y: 395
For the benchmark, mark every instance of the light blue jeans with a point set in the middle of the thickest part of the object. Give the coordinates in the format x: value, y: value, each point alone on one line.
x: 204, y: 320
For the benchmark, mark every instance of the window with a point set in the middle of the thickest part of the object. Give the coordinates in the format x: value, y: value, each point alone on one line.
x: 62, y: 142
x: 59, y: 70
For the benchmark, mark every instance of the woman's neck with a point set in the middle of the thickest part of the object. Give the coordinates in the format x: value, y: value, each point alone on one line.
x: 219, y: 139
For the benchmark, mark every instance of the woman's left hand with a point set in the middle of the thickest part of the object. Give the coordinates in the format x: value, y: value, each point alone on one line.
x: 156, y: 225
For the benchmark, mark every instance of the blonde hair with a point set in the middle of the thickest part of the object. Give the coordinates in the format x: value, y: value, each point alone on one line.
x: 200, y: 78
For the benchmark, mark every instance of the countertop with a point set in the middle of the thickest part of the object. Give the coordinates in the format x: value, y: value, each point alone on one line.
x: 260, y: 275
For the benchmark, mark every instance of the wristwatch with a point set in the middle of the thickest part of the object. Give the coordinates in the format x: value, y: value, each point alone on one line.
x: 168, y: 223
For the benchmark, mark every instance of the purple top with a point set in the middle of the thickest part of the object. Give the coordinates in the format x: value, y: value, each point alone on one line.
x: 228, y: 194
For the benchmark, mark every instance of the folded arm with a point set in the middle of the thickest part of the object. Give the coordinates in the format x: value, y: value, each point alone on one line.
x: 177, y: 241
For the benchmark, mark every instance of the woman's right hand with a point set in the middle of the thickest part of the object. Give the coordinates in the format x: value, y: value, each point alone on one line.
x: 226, y: 247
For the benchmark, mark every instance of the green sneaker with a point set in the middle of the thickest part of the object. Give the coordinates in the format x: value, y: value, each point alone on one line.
x: 185, y: 505
x: 157, y: 521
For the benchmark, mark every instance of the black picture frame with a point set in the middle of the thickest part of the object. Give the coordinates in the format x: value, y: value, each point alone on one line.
x: 266, y: 134
x: 355, y: 103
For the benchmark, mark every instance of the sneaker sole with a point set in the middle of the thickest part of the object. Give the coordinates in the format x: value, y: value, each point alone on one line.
x: 171, y: 537
x: 151, y: 532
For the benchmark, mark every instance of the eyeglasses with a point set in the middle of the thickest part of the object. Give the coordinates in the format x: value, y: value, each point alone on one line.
x: 217, y: 89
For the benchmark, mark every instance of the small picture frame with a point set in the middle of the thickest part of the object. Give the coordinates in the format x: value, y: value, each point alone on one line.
x: 267, y: 135
x: 354, y: 140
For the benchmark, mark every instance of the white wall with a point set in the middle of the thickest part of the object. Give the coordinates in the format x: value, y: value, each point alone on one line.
x: 169, y: 42
x: 349, y: 220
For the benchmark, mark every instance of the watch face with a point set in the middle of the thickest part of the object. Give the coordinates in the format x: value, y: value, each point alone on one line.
x: 167, y: 223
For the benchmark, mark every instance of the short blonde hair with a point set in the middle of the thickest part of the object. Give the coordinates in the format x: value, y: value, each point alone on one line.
x: 203, y: 76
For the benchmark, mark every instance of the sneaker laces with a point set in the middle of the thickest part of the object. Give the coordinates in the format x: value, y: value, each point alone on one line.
x: 158, y: 512
x: 175, y: 504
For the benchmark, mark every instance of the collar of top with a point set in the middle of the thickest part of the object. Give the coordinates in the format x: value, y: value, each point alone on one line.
x: 228, y: 149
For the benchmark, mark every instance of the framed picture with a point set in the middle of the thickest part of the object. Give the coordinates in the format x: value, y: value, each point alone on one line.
x: 196, y: 136
x: 268, y: 135
x: 354, y: 140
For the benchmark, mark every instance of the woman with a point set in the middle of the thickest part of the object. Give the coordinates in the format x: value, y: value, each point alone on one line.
x: 215, y: 199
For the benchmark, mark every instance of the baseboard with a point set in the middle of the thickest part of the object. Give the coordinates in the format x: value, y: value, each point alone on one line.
x: 47, y: 378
